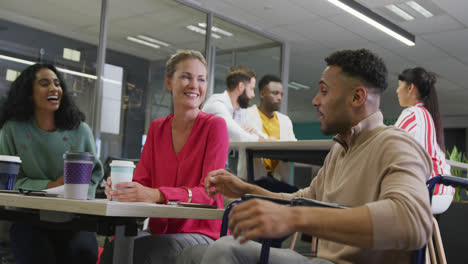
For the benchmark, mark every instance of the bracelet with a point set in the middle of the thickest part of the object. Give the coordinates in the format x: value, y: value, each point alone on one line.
x: 189, y: 193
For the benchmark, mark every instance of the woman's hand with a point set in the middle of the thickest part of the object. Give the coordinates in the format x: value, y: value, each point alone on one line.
x: 57, y: 183
x: 224, y: 183
x: 133, y: 192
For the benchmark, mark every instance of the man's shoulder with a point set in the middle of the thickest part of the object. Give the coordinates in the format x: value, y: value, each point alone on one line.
x: 215, y: 103
x: 395, y: 137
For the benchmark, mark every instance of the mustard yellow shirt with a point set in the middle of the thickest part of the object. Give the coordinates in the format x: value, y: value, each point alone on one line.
x: 271, y: 127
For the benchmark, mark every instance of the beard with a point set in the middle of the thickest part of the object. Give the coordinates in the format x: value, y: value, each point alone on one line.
x: 243, y: 100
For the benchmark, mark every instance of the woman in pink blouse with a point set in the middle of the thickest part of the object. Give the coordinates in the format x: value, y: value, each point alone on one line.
x: 180, y: 150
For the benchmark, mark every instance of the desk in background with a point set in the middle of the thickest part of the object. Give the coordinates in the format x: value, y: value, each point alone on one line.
x: 101, y: 216
x: 304, y: 151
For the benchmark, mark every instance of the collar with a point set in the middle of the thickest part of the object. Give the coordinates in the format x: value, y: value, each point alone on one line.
x: 360, y: 132
x: 420, y: 104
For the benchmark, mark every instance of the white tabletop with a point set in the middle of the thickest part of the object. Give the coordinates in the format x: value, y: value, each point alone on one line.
x: 283, y: 145
x: 104, y: 207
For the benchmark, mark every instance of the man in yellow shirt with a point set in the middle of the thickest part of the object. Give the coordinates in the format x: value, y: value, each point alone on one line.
x: 273, y: 175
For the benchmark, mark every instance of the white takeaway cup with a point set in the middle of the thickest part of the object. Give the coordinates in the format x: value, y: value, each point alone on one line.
x: 121, y: 171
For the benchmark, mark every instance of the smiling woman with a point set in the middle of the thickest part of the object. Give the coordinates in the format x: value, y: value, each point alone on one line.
x: 39, y: 124
x: 179, y: 151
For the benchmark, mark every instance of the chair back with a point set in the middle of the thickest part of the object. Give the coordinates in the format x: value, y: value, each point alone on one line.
x: 419, y: 256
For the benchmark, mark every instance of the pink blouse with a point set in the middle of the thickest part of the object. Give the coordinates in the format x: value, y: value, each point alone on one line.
x: 159, y: 167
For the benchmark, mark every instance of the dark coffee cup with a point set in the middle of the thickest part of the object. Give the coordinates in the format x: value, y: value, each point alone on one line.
x: 9, y: 168
x: 77, y: 170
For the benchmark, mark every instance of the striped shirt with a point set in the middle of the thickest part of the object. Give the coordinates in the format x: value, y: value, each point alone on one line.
x: 417, y: 121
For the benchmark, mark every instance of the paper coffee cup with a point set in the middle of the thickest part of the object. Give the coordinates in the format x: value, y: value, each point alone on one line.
x: 9, y: 168
x: 77, y: 169
x: 121, y: 171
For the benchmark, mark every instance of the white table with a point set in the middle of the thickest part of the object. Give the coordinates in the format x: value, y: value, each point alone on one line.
x: 97, y: 215
x: 304, y: 151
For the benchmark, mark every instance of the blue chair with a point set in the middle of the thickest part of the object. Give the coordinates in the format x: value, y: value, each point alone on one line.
x: 420, y: 256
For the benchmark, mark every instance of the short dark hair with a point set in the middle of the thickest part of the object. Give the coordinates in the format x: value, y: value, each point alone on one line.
x: 266, y: 80
x: 424, y: 82
x: 361, y: 64
x: 19, y: 105
x: 237, y: 74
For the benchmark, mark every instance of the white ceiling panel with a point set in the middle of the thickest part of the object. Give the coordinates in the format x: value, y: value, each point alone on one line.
x: 432, y: 25
x: 327, y: 33
x: 454, y: 42
x: 320, y: 8
x: 456, y: 8
x: 422, y: 51
x: 450, y: 69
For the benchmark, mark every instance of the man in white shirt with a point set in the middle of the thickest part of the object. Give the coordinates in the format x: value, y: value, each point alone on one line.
x: 232, y: 103
x: 273, y: 175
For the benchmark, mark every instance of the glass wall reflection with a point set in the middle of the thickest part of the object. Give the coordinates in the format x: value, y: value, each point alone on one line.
x: 29, y: 35
x: 236, y: 45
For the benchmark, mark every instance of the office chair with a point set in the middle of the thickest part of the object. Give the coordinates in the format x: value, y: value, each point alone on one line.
x: 435, y: 248
x: 420, y: 256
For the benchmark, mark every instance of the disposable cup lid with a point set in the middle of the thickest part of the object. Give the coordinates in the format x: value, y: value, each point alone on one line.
x: 10, y: 158
x: 122, y: 163
x: 78, y: 156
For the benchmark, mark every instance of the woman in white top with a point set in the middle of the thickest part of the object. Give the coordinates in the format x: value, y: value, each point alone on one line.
x: 416, y: 91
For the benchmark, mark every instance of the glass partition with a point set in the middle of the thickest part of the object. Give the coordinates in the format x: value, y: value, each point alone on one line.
x: 29, y: 35
x: 236, y: 45
x: 141, y: 37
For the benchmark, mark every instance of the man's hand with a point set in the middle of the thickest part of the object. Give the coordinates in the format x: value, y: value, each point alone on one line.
x: 249, y: 129
x: 224, y: 183
x: 259, y: 218
x: 133, y: 192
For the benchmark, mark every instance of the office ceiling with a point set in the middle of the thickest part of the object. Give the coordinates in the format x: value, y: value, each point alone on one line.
x: 314, y: 28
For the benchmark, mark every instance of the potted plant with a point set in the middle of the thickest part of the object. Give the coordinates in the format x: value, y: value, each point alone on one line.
x: 452, y: 222
x: 458, y: 156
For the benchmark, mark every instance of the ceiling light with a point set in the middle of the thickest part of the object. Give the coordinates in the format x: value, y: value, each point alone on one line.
x: 423, y: 11
x: 59, y: 69
x: 71, y: 54
x: 217, y: 30
x: 395, y: 9
x: 152, y: 40
x: 290, y: 85
x: 94, y: 77
x: 201, y: 31
x: 16, y: 60
x: 11, y: 75
x: 146, y: 43
x: 300, y: 85
x: 366, y: 15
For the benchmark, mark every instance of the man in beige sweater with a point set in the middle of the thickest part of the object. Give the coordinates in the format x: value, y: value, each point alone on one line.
x: 379, y: 171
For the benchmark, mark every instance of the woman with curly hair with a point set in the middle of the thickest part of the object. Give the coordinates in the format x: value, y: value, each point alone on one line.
x: 421, y: 118
x: 39, y: 123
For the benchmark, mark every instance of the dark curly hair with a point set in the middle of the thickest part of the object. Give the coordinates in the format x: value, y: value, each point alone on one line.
x: 19, y: 105
x: 266, y: 80
x: 362, y: 64
x: 425, y: 81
